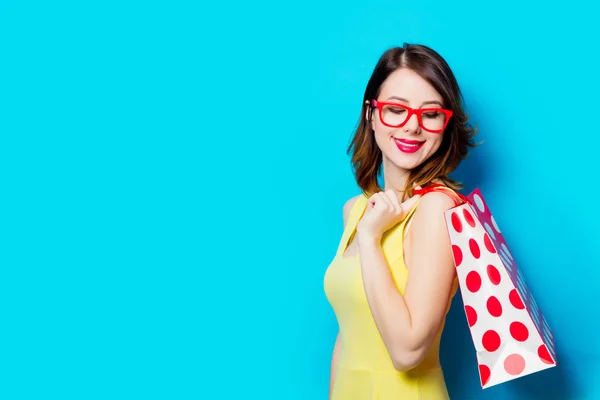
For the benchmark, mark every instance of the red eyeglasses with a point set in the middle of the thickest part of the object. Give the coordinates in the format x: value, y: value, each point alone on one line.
x: 396, y: 115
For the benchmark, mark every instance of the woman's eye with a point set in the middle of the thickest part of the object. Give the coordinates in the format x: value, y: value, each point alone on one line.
x: 432, y: 115
x: 397, y: 110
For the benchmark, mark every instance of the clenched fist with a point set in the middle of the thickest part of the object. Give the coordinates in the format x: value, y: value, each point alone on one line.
x: 384, y: 211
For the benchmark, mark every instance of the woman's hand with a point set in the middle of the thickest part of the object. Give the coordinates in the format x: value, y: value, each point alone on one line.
x: 384, y: 211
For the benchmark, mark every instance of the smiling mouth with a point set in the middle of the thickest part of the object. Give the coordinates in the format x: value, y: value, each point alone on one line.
x: 408, y: 146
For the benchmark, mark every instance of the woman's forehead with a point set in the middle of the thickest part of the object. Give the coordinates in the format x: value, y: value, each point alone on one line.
x: 409, y: 85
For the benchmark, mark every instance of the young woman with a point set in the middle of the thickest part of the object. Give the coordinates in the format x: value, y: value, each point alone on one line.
x: 392, y: 280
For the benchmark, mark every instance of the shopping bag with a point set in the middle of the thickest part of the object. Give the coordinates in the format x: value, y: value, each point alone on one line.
x: 510, y: 334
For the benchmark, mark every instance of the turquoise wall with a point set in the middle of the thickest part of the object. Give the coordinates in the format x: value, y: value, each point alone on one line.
x: 173, y: 176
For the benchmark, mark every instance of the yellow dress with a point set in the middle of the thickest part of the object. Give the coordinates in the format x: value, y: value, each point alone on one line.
x: 365, y: 370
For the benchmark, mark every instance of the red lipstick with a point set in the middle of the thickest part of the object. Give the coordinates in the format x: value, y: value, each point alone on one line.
x: 408, y: 146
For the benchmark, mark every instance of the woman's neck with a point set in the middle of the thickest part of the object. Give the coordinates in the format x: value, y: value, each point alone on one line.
x: 394, y: 178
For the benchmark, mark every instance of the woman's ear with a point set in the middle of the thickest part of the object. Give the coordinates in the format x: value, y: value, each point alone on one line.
x: 369, y: 114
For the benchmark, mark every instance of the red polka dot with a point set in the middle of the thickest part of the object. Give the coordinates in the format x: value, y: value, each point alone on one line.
x: 458, y: 257
x: 456, y: 222
x: 491, y: 340
x: 484, y: 373
x: 488, y: 243
x: 519, y: 331
x: 514, y: 364
x: 474, y: 248
x: 494, y: 307
x: 493, y: 274
x: 469, y: 218
x: 471, y: 315
x: 544, y: 354
x: 515, y: 300
x: 473, y: 281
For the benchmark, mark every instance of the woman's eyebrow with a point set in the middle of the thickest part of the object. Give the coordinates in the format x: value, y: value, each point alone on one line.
x: 424, y: 103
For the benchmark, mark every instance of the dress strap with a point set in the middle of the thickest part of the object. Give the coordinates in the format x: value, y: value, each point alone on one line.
x: 354, y: 216
x: 407, y: 220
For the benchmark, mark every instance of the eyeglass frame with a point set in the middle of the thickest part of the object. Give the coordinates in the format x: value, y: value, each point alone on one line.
x: 417, y: 111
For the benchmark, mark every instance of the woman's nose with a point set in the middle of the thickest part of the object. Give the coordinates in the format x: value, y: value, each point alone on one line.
x: 412, y: 124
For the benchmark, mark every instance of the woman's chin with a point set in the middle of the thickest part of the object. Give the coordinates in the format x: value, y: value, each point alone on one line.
x: 405, y: 162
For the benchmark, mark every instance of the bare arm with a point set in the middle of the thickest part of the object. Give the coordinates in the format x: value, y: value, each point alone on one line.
x: 408, y: 323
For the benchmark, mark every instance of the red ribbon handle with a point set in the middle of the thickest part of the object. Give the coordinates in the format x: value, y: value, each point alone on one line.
x: 443, y: 189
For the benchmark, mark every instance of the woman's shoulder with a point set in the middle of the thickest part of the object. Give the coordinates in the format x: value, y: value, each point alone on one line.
x: 435, y: 201
x: 438, y: 201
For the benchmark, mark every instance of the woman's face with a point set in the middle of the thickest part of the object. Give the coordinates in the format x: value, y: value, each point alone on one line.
x: 410, y: 145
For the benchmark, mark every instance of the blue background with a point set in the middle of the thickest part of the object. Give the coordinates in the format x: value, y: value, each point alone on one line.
x: 173, y: 176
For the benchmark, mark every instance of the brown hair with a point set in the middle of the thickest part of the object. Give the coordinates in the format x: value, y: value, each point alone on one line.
x: 366, y: 156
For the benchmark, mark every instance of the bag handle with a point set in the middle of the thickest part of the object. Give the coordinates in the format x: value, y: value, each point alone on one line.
x: 434, y: 188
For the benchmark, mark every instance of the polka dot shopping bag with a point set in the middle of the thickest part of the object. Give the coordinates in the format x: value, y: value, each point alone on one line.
x: 511, y: 336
